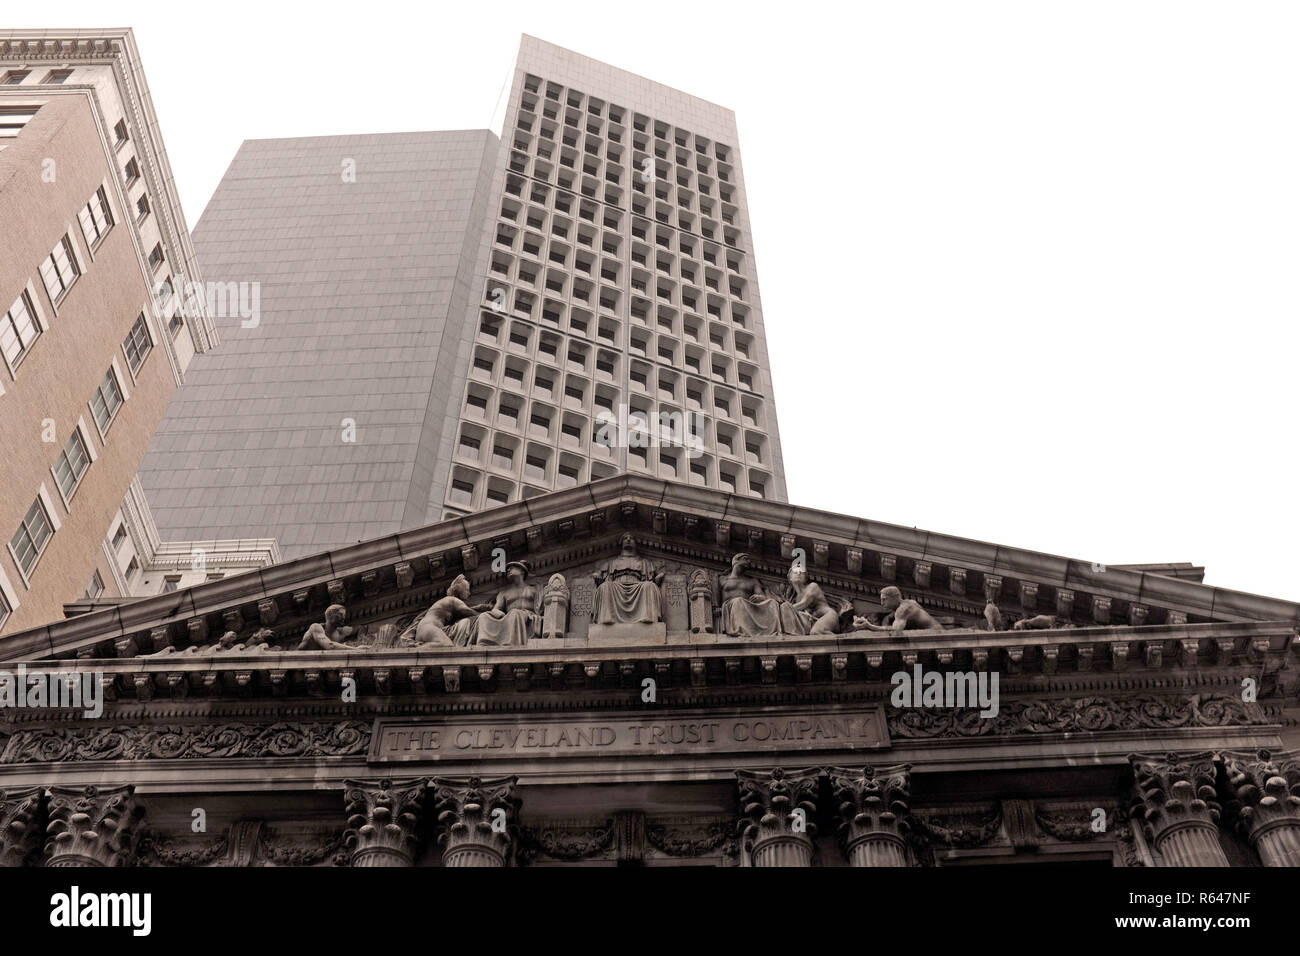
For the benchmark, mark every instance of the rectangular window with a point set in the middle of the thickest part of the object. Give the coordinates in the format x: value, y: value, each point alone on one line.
x: 57, y: 76
x: 71, y: 465
x: 5, y: 610
x: 119, y: 132
x: 14, y: 77
x: 119, y: 536
x: 156, y: 256
x: 106, y: 401
x: 141, y: 208
x: 95, y: 588
x: 12, y: 121
x: 29, y: 540
x: 171, y: 583
x: 96, y: 218
x: 137, y: 344
x: 132, y: 170
x: 18, y: 331
x: 132, y: 567
x: 59, y: 270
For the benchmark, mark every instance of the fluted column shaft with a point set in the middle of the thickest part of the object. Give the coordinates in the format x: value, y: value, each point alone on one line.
x: 878, y: 849
x: 1190, y: 843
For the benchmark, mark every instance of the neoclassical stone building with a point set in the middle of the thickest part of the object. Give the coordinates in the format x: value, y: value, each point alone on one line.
x: 641, y: 673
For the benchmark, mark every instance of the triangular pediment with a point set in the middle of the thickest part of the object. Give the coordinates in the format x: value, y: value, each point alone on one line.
x: 386, y: 583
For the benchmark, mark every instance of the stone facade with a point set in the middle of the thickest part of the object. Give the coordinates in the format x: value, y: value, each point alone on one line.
x: 497, y: 691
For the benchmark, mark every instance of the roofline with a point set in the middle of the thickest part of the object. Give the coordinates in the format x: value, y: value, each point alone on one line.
x: 843, y: 530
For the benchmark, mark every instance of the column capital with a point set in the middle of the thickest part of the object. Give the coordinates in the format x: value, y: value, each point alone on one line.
x: 1174, y: 791
x: 383, y: 820
x: 871, y: 802
x: 478, y: 820
x: 92, y: 826
x: 20, y: 812
x: 1263, y: 790
x: 777, y: 810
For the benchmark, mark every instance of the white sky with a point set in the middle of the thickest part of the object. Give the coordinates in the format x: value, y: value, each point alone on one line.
x: 1029, y: 270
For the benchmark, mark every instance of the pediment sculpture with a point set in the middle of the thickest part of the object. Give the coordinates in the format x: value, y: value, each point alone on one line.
x: 628, y: 588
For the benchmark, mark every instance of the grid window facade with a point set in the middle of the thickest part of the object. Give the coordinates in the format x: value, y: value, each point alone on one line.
x: 617, y: 281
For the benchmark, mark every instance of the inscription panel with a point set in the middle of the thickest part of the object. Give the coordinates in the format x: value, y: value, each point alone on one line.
x: 625, y: 735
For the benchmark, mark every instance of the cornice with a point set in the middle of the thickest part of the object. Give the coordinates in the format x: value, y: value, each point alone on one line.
x: 562, y: 528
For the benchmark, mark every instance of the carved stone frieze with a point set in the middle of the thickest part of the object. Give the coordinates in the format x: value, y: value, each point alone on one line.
x: 343, y: 738
x: 1042, y: 715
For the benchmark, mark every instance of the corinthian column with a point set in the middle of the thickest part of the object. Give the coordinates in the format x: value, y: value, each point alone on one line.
x: 19, y: 814
x: 874, y: 814
x: 383, y: 817
x: 776, y: 815
x: 1176, y: 800
x: 1265, y: 802
x: 91, y: 827
x: 478, y: 820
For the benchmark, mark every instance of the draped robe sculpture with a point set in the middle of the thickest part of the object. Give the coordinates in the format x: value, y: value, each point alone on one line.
x: 627, y: 589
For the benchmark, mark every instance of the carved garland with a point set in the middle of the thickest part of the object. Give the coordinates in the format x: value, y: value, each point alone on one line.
x: 345, y: 738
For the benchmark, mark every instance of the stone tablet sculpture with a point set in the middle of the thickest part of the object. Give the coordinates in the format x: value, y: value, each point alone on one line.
x: 515, y: 615
x: 908, y: 614
x: 627, y: 590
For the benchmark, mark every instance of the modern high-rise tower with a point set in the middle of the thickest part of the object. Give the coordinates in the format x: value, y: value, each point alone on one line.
x: 451, y: 321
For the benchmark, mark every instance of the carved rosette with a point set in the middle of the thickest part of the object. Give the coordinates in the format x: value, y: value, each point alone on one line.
x: 19, y: 824
x: 1264, y: 802
x: 874, y: 813
x: 92, y: 827
x: 777, y: 810
x: 1175, y: 798
x: 383, y: 820
x: 477, y: 820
